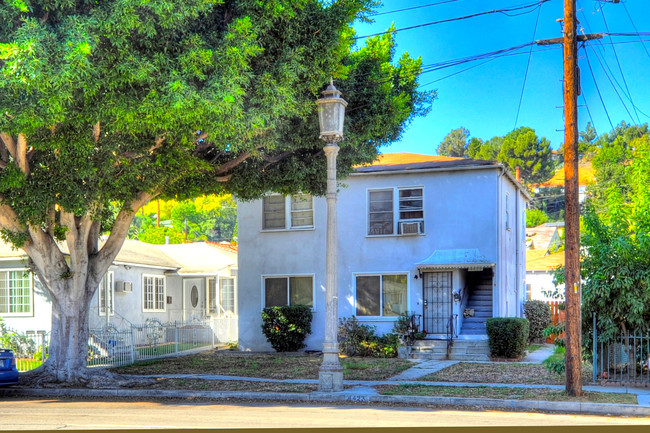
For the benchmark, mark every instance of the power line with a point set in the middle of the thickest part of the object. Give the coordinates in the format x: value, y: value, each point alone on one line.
x: 635, y: 29
x: 502, y: 11
x: 414, y: 7
x: 597, y: 88
x: 530, y: 55
x: 620, y: 68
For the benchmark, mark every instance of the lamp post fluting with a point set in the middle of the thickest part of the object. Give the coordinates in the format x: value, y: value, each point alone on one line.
x: 331, y: 115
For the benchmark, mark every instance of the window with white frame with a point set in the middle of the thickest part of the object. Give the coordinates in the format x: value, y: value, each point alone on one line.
x: 404, y: 205
x: 227, y: 294
x: 288, y: 290
x: 381, y: 295
x: 107, y: 295
x: 292, y: 212
x: 16, y: 288
x: 153, y: 293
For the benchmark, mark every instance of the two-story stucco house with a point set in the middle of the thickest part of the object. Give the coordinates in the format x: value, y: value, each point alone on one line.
x: 442, y: 238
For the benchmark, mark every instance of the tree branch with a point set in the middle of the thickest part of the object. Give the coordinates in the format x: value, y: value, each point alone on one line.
x: 97, y: 130
x: 9, y: 218
x: 226, y: 167
x: 10, y: 144
x: 120, y: 229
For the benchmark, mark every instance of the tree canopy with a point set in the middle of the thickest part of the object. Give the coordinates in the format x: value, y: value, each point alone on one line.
x: 522, y: 148
x: 106, y: 105
x: 615, y: 261
x: 455, y: 143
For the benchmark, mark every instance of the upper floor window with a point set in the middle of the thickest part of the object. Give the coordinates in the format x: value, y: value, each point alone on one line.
x: 293, y: 212
x: 404, y: 205
x: 153, y: 293
x: 15, y: 292
x: 107, y: 295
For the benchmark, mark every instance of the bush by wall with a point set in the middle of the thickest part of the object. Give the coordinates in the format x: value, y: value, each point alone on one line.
x: 539, y: 317
x: 507, y: 336
x: 356, y: 339
x: 286, y: 327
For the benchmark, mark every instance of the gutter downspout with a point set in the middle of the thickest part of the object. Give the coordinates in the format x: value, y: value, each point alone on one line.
x: 496, y: 300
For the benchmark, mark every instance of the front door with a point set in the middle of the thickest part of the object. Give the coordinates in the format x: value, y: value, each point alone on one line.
x: 193, y: 298
x: 438, y: 302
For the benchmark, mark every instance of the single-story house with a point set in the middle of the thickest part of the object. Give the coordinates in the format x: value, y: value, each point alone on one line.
x: 438, y: 237
x: 163, y: 282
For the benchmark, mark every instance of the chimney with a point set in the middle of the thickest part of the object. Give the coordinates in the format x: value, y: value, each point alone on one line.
x: 517, y: 173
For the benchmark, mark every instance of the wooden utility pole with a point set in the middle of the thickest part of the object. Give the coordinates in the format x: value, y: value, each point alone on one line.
x: 572, y: 294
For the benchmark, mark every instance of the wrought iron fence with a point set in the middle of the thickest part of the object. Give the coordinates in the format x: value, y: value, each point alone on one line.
x: 111, y: 347
x: 624, y: 359
x: 30, y: 348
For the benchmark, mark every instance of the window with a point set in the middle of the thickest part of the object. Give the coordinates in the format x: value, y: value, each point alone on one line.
x: 227, y: 294
x: 107, y: 295
x: 288, y: 291
x: 153, y: 293
x: 295, y: 212
x: 381, y: 295
x: 380, y: 208
x: 382, y: 212
x: 16, y: 292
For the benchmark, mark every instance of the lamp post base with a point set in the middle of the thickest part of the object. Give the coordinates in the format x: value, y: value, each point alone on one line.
x: 330, y: 378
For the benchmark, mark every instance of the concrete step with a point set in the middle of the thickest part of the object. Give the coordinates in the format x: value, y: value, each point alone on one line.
x: 461, y: 350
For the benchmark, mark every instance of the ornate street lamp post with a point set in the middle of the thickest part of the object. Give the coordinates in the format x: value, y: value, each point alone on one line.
x: 331, y: 114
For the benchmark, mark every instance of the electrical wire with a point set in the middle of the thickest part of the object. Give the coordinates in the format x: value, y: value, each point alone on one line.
x: 530, y: 55
x: 502, y: 11
x: 635, y: 29
x: 596, y: 84
x: 411, y: 8
x: 627, y: 89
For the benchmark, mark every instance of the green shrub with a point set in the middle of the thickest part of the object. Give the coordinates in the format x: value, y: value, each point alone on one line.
x: 507, y: 336
x: 356, y: 339
x: 538, y: 314
x: 286, y: 327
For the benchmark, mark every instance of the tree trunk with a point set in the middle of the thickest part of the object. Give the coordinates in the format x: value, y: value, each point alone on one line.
x: 69, y: 340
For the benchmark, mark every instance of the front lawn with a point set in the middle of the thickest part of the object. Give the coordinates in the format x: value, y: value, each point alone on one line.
x: 505, y: 393
x: 267, y: 365
x: 497, y: 372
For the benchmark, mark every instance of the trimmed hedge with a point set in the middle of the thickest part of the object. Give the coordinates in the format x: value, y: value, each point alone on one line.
x: 538, y: 314
x: 507, y: 336
x: 287, y: 326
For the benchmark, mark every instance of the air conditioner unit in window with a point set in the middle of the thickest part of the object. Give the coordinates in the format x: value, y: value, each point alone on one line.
x: 124, y: 286
x: 411, y: 227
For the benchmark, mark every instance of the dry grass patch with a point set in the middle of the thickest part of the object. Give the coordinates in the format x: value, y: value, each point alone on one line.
x: 497, y: 372
x: 231, y: 385
x: 505, y: 393
x: 267, y: 366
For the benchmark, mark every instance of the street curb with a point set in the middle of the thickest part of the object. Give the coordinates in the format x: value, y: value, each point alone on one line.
x: 345, y: 396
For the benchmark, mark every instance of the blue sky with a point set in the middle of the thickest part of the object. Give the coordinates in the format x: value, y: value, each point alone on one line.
x: 486, y: 98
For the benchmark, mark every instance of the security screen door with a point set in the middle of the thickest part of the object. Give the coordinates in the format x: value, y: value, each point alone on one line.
x: 437, y: 297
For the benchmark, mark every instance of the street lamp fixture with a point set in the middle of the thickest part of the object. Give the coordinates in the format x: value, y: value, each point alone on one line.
x: 331, y: 114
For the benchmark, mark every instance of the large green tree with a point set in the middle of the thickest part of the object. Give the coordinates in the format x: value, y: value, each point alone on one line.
x: 616, y: 249
x: 522, y: 149
x: 455, y: 143
x: 106, y: 105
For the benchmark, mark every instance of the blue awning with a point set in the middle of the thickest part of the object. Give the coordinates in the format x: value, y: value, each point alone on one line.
x: 459, y: 258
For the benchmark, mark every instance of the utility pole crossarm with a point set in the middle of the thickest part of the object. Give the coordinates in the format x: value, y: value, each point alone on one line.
x: 579, y: 38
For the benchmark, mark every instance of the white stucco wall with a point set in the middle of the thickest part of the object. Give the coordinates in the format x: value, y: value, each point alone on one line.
x: 540, y: 282
x: 461, y: 210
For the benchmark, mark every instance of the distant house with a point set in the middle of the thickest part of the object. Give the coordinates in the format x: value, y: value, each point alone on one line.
x: 550, y: 188
x: 540, y: 266
x: 164, y: 282
x: 438, y: 237
x: 545, y: 237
